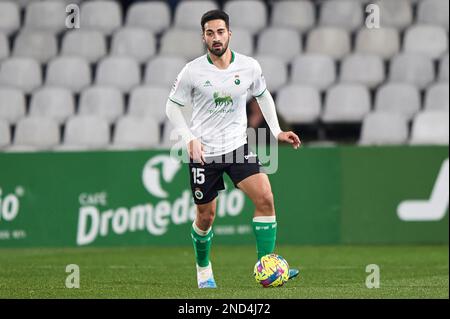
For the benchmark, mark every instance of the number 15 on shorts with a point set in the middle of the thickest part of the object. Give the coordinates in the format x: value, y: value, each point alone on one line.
x: 198, y: 175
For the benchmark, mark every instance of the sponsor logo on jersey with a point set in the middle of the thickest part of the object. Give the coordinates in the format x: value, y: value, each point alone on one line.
x: 224, y: 100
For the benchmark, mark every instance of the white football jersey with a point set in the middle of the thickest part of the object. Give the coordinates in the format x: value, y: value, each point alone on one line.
x: 218, y: 98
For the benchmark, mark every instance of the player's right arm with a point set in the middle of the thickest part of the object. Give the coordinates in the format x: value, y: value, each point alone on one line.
x: 179, y: 97
x: 195, y: 148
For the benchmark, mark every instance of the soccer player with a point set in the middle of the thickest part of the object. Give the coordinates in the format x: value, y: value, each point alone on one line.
x: 216, y: 85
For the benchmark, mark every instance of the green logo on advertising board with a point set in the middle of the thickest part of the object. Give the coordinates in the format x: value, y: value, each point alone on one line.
x: 9, y: 210
x: 431, y: 209
x: 159, y: 168
x: 9, y: 206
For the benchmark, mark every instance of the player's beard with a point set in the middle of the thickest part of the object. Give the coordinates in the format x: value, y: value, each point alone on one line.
x: 220, y: 50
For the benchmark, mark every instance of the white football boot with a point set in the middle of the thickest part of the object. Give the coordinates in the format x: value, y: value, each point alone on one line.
x: 205, y: 277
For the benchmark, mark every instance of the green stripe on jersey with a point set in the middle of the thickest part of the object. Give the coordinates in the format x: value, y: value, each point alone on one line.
x: 261, y: 93
x: 179, y: 104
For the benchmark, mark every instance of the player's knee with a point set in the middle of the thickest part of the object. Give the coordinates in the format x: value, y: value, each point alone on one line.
x: 264, y: 202
x: 206, y: 216
x: 208, y: 219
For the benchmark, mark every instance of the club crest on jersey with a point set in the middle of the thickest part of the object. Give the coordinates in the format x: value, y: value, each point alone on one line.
x: 207, y: 84
x: 224, y: 100
x: 237, y: 81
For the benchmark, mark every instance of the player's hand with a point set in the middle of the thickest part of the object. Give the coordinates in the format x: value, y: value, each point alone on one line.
x: 291, y: 138
x: 195, y: 149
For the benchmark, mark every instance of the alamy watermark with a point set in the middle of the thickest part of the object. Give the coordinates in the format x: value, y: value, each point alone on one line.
x: 262, y: 149
x: 373, y: 279
x: 73, y: 16
x: 73, y: 279
x: 373, y: 16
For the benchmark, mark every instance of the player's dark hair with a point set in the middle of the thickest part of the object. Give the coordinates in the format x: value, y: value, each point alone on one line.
x: 215, y: 15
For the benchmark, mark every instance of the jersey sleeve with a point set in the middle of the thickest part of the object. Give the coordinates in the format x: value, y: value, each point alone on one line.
x: 258, y: 86
x: 182, y: 88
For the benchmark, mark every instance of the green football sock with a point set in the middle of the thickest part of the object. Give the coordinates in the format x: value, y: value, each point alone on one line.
x: 202, y: 245
x: 265, y: 229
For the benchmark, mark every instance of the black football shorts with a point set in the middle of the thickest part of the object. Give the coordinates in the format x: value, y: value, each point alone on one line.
x: 207, y: 179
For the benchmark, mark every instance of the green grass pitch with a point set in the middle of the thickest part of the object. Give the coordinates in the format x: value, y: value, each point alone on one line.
x: 169, y: 272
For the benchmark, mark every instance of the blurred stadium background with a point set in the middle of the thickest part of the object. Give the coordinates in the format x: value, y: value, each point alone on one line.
x: 334, y: 79
x: 372, y: 103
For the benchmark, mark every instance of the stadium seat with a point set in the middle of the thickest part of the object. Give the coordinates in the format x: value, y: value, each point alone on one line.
x: 12, y: 104
x: 434, y: 12
x: 168, y: 132
x: 284, y: 44
x: 102, y: 101
x: 122, y: 73
x: 274, y: 70
x: 242, y: 41
x: 294, y: 14
x: 188, y: 14
x: 72, y: 73
x: 346, y: 14
x: 395, y: 14
x: 437, y: 97
x: 412, y: 68
x: 4, y: 47
x: 163, y: 70
x: 346, y: 103
x: 384, y: 128
x: 364, y: 69
x: 248, y: 14
x: 48, y: 16
x: 86, y: 133
x: 444, y: 69
x: 88, y: 44
x: 429, y: 40
x: 315, y: 70
x: 183, y: 43
x: 154, y: 16
x: 5, y: 134
x: 329, y: 41
x: 104, y: 16
x: 137, y: 43
x: 52, y: 102
x: 399, y: 98
x: 136, y: 133
x: 38, y: 45
x: 149, y: 101
x: 38, y: 132
x: 9, y: 17
x: 299, y: 104
x: 22, y: 73
x: 430, y: 127
x: 384, y: 42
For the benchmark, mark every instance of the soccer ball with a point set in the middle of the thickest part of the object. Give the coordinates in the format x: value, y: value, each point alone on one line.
x: 271, y: 271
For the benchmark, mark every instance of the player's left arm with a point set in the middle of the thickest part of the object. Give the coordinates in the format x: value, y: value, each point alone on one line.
x: 267, y: 105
